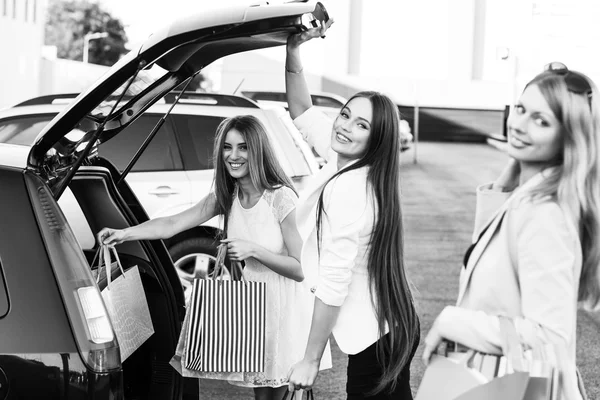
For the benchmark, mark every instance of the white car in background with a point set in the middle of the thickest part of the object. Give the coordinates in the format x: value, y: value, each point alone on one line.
x: 175, y: 171
x: 329, y: 103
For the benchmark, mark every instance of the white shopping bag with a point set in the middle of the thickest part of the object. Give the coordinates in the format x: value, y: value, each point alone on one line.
x: 126, y: 304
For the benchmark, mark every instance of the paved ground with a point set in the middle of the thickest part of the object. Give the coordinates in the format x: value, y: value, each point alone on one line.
x: 438, y: 206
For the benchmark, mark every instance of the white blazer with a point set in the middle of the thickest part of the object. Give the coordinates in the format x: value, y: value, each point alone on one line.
x: 338, y: 275
x: 527, y: 266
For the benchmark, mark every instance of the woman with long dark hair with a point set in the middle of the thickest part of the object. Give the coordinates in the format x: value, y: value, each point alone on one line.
x: 258, y: 202
x: 353, y: 257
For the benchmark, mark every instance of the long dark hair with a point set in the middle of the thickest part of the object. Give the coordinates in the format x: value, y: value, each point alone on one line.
x: 265, y: 170
x: 390, y: 288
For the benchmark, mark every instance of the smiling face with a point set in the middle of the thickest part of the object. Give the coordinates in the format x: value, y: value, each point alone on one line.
x: 235, y: 154
x: 351, y: 130
x: 535, y: 136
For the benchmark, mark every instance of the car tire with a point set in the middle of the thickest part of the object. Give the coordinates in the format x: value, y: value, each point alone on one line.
x: 195, y: 258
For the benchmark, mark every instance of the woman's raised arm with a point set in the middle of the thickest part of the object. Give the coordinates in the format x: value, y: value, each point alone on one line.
x: 298, y: 96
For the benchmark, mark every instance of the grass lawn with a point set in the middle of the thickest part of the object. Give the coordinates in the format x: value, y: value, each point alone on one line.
x: 438, y: 205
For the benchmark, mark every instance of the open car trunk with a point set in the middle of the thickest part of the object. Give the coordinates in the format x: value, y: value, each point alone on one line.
x: 103, y: 205
x: 64, y: 155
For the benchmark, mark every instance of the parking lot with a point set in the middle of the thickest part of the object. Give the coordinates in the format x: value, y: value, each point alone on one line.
x: 438, y: 205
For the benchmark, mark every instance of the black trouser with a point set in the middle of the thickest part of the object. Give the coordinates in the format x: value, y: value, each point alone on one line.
x: 364, y: 373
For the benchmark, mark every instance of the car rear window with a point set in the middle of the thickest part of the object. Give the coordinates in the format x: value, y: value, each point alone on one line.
x: 162, y: 154
x: 3, y: 294
x: 290, y: 155
x: 268, y: 96
x: 202, y: 130
x: 23, y: 130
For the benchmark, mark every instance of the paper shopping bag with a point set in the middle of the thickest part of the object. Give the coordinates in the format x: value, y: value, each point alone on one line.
x: 525, y: 378
x: 445, y: 379
x: 126, y: 304
x: 226, y: 332
x: 512, y: 386
x: 179, y: 360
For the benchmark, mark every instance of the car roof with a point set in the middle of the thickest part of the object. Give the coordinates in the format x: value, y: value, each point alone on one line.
x: 334, y: 100
x: 216, y: 104
x: 49, y: 104
x: 13, y: 155
x: 31, y: 110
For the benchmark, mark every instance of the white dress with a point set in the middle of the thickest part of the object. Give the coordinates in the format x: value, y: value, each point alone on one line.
x: 289, y: 303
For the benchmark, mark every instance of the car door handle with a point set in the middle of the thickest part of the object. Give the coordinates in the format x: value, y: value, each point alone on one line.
x: 163, y: 191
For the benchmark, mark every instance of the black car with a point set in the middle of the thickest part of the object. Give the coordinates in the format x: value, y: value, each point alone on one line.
x: 56, y: 339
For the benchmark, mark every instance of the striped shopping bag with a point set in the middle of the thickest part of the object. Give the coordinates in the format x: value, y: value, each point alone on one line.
x: 226, y: 332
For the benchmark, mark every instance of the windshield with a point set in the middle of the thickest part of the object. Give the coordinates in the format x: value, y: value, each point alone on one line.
x: 142, y: 81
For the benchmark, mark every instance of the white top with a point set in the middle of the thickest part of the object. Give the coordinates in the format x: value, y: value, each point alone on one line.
x: 338, y: 276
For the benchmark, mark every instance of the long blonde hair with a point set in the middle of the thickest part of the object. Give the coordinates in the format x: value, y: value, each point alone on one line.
x: 575, y: 182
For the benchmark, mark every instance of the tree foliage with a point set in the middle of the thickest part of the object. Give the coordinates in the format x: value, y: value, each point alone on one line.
x: 69, y: 21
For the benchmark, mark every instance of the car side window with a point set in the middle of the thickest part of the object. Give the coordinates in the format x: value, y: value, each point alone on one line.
x: 199, y: 131
x: 23, y: 129
x: 324, y: 101
x: 162, y: 154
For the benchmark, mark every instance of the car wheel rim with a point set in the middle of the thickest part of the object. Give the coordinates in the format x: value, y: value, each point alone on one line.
x: 196, y: 266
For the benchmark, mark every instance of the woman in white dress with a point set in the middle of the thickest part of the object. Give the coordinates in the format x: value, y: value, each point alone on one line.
x: 258, y: 202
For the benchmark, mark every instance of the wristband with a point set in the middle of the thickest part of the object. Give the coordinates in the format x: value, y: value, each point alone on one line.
x: 294, y: 72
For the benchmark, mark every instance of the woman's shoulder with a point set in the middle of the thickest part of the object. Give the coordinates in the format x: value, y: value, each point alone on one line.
x: 284, y: 190
x: 536, y: 205
x: 353, y: 181
x: 282, y: 201
x: 280, y: 195
x: 545, y: 213
x: 350, y: 189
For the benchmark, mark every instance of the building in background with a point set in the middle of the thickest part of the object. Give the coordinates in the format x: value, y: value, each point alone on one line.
x: 440, y: 53
x: 21, y: 42
x: 437, y: 53
x: 60, y: 75
x: 29, y: 68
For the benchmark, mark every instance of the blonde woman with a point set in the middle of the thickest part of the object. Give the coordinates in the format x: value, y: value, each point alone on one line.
x: 538, y: 229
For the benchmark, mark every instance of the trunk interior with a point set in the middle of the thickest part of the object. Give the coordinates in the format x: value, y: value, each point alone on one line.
x: 147, y: 373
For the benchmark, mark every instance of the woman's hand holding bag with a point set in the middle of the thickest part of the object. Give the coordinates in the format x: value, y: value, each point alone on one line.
x: 521, y: 375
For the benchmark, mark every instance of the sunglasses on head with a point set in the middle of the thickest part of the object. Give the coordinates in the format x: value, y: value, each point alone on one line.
x: 576, y: 83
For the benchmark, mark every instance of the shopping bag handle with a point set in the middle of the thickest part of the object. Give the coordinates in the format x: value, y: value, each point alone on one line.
x: 511, y: 344
x: 309, y: 395
x: 97, y: 256
x: 103, y: 255
x: 220, y: 262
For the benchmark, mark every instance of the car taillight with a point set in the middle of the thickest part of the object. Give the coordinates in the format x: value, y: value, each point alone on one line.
x: 89, y: 320
x: 95, y: 315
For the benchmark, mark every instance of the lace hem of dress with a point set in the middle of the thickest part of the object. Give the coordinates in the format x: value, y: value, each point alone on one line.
x: 258, y: 379
x: 222, y: 376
